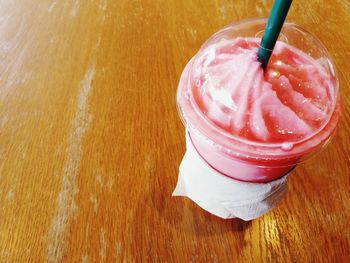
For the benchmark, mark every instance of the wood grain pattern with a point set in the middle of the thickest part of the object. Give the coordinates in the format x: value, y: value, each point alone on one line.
x: 90, y: 139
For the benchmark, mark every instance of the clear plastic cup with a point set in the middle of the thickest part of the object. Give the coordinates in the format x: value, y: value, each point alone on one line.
x: 246, y: 159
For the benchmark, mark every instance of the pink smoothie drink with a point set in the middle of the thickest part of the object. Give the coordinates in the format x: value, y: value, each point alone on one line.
x: 255, y: 125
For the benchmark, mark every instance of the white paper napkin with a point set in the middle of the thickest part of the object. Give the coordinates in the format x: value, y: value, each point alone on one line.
x: 221, y: 195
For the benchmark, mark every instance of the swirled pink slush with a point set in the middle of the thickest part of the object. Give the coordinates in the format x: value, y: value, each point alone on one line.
x: 256, y: 125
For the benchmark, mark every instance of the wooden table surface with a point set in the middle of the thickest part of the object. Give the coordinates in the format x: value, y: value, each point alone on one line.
x: 90, y: 138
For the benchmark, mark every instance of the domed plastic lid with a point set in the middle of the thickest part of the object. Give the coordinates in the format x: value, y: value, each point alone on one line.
x: 286, y: 111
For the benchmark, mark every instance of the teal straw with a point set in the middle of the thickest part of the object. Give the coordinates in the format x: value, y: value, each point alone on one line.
x: 273, y: 28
